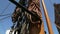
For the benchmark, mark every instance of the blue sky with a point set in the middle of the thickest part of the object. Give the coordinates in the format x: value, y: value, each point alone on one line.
x: 6, y: 23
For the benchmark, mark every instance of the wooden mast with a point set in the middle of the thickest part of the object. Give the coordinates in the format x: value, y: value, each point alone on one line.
x: 47, y: 18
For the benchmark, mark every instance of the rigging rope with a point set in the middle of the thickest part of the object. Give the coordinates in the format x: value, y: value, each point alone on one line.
x: 5, y: 8
x: 5, y: 17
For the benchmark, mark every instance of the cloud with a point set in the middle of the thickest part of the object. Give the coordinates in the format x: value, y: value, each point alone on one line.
x: 7, y: 32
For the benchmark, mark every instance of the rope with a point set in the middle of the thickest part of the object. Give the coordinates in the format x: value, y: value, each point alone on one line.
x: 5, y: 8
x: 4, y: 18
x: 58, y: 26
x: 5, y: 14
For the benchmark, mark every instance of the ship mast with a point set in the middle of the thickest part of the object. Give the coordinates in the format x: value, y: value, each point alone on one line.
x: 47, y: 18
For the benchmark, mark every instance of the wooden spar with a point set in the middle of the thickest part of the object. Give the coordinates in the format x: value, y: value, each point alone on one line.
x: 47, y: 18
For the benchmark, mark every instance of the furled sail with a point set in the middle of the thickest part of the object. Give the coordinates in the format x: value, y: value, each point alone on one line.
x: 36, y: 26
x: 25, y: 23
x: 57, y: 16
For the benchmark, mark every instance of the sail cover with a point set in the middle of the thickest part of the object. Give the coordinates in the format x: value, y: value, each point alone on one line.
x: 57, y: 16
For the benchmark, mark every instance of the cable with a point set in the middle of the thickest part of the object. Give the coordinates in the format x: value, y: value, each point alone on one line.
x: 58, y: 26
x: 4, y: 18
x: 5, y: 15
x: 6, y: 8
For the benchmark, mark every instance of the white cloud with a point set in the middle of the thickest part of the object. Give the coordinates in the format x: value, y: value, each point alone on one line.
x: 7, y: 32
